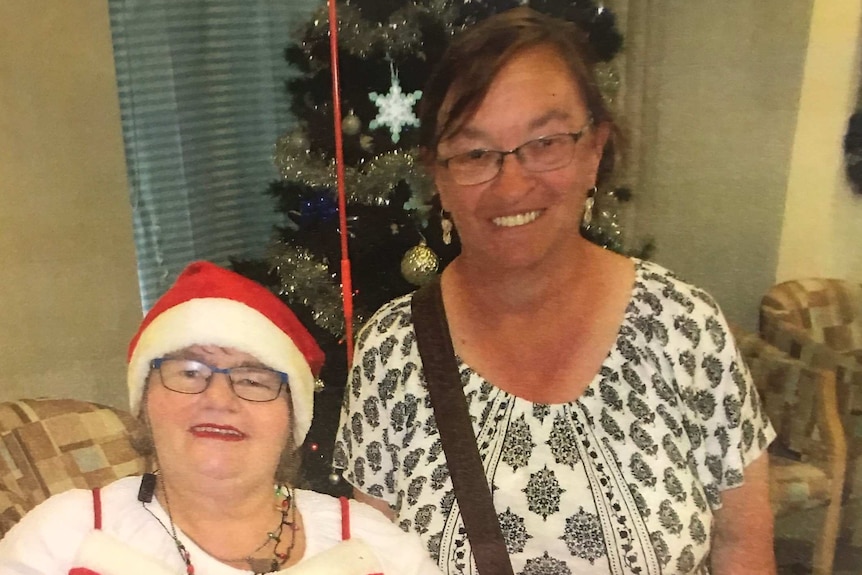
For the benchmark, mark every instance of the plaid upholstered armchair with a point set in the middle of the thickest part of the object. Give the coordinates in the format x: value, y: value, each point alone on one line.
x: 820, y: 322
x: 807, y: 460
x: 826, y: 313
x: 50, y: 445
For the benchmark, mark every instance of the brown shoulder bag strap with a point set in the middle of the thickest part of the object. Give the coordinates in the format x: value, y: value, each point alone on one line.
x: 456, y: 431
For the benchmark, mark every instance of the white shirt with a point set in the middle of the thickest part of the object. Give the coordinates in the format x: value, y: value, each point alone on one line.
x: 49, y: 539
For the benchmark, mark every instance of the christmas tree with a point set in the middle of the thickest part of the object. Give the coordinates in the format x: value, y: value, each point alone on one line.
x: 386, y: 51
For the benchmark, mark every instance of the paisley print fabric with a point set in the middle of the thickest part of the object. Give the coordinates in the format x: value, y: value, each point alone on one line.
x: 623, y: 480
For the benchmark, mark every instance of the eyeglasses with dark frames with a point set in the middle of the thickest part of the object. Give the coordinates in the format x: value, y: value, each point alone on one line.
x: 192, y: 377
x: 540, y: 155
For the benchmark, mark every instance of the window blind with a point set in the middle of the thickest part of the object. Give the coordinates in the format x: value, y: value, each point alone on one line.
x: 202, y: 99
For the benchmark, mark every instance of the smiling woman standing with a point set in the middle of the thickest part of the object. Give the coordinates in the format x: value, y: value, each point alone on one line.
x: 221, y: 375
x: 617, y: 425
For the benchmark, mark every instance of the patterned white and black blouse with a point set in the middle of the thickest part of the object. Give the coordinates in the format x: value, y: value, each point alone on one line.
x: 622, y: 480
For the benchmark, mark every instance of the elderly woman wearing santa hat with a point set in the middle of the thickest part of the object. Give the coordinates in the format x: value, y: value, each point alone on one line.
x: 221, y: 375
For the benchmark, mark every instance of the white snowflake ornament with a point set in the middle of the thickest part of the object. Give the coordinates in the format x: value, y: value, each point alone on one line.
x: 395, y: 109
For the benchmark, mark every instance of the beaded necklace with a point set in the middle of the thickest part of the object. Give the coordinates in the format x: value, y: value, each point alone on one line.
x: 286, y: 507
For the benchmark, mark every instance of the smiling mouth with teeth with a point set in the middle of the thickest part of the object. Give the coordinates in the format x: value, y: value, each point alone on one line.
x: 517, y: 219
x: 217, y: 432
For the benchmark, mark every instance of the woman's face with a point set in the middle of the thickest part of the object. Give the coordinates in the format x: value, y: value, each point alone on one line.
x: 215, y: 433
x: 519, y: 217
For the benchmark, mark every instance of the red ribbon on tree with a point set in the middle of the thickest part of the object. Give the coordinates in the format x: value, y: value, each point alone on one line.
x: 346, y: 281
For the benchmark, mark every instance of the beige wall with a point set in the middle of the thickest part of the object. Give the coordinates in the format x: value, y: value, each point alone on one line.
x: 68, y: 283
x: 822, y: 233
x: 722, y: 87
x: 741, y: 169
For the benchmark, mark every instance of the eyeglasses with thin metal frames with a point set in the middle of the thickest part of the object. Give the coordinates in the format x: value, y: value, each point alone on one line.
x: 543, y: 154
x: 189, y: 376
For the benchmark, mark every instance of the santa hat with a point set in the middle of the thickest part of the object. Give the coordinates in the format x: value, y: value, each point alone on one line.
x: 209, y: 305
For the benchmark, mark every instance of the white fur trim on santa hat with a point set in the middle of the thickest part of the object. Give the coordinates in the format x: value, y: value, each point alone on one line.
x: 225, y: 323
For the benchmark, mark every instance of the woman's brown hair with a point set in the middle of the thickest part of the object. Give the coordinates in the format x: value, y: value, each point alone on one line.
x: 464, y: 74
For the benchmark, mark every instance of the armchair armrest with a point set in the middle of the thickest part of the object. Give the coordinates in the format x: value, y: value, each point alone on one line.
x: 832, y: 432
x: 799, y: 344
x: 50, y: 445
x: 800, y: 398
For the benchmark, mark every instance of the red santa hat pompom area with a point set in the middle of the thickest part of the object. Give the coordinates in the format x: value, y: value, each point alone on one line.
x: 209, y: 305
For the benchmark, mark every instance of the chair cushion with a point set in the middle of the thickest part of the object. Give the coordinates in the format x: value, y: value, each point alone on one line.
x: 48, y: 446
x: 795, y: 485
x: 12, y: 509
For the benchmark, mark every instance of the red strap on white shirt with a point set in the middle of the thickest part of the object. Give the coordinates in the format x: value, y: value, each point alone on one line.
x: 345, y: 518
x: 97, y: 523
x: 97, y: 508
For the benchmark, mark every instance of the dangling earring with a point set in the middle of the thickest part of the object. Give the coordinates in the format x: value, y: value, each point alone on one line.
x: 588, y: 207
x: 446, y: 225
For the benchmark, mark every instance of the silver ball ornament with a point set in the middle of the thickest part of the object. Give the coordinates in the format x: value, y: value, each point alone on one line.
x: 419, y: 264
x: 351, y: 125
x: 334, y: 478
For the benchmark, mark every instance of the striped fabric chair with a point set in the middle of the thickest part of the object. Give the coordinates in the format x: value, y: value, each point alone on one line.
x: 820, y: 322
x: 48, y: 446
x: 807, y: 460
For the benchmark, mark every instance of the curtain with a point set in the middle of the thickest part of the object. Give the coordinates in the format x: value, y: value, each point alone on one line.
x: 202, y: 99
x: 642, y: 48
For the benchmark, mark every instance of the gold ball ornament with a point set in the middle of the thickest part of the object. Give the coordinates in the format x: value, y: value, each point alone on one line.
x: 419, y: 264
x: 351, y: 124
